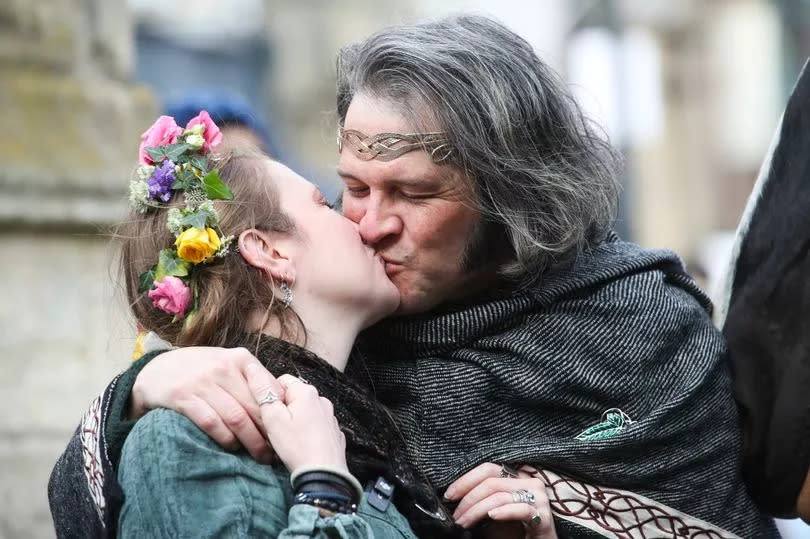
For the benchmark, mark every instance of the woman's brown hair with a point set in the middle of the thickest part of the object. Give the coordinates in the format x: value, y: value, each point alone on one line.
x: 230, y: 290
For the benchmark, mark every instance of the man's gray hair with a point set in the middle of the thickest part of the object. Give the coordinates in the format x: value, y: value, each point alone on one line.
x: 543, y: 174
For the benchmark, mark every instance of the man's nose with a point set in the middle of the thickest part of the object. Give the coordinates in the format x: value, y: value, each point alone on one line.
x: 377, y: 224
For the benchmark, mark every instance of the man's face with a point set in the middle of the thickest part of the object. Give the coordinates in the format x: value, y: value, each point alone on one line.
x: 411, y: 210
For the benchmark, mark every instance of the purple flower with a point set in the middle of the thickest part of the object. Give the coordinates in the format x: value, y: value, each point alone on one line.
x: 160, y: 183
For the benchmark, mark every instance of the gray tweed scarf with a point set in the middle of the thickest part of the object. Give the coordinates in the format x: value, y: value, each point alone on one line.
x: 521, y: 378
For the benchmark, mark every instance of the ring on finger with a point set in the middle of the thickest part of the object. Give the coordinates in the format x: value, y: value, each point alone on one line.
x: 535, y: 520
x: 270, y: 398
x: 523, y: 496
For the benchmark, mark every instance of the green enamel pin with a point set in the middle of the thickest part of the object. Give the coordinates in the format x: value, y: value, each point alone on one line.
x: 613, y: 422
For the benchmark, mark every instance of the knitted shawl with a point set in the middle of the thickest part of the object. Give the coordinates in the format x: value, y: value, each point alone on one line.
x: 519, y: 378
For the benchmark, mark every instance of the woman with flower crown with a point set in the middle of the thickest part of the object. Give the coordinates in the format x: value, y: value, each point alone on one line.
x: 238, y: 250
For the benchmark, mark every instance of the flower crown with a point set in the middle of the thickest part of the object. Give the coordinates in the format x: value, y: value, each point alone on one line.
x: 175, y: 159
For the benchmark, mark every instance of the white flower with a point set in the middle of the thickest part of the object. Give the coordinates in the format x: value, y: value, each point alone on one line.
x: 139, y: 195
x: 195, y: 141
x: 144, y: 172
x: 173, y: 218
x: 197, y: 129
x: 224, y: 246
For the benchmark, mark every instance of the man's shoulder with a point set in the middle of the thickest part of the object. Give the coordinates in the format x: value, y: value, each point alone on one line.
x: 610, y: 264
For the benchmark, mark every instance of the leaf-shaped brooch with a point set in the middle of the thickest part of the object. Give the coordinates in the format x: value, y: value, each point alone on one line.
x: 613, y: 422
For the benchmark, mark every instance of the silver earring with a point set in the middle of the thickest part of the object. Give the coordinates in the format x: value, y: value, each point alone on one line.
x: 288, y: 294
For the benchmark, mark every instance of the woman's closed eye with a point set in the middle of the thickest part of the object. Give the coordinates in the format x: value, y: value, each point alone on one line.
x: 320, y: 199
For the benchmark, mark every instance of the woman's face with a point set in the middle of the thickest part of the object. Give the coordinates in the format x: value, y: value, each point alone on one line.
x: 331, y: 262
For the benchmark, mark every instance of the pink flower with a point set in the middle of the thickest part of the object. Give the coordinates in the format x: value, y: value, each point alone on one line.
x: 164, y: 131
x: 171, y: 295
x: 211, y: 134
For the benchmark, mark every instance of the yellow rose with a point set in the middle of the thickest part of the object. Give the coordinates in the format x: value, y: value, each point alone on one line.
x: 195, y: 245
x: 137, y: 352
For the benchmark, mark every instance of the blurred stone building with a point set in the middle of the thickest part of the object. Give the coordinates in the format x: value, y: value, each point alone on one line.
x: 68, y: 132
x: 689, y: 90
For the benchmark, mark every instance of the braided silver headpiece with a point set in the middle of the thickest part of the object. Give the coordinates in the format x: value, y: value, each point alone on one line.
x: 389, y: 146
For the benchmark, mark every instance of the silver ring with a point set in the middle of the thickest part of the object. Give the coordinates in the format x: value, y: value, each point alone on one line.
x: 535, y: 520
x: 509, y: 471
x: 270, y: 398
x: 523, y: 496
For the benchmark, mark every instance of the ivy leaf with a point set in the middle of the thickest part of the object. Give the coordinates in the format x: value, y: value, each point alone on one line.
x: 170, y: 264
x: 174, y: 151
x: 197, y: 219
x: 215, y: 188
x: 157, y: 153
x: 198, y: 161
x: 191, y: 180
x: 146, y: 280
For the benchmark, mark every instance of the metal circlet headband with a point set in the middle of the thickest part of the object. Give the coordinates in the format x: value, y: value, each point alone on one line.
x: 389, y: 146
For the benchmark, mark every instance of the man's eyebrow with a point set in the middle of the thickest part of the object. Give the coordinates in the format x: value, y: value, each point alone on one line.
x: 407, y: 182
x: 344, y: 174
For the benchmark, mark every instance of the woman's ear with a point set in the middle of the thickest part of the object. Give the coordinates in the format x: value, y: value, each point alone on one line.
x: 260, y: 250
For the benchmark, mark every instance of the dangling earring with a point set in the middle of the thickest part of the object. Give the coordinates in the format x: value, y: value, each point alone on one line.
x: 288, y: 294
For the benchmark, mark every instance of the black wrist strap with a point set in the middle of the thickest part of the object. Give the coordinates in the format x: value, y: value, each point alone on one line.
x: 320, y: 481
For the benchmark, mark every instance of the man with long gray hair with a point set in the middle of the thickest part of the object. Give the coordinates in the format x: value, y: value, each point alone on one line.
x: 536, y: 355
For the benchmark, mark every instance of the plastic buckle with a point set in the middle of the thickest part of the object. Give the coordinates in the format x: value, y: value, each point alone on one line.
x: 379, y: 497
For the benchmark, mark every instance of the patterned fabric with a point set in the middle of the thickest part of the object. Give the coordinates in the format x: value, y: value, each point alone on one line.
x: 611, y: 512
x: 84, y: 496
x: 516, y: 378
x: 90, y: 436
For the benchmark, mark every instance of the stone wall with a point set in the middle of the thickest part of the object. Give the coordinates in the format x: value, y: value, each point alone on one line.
x: 68, y: 136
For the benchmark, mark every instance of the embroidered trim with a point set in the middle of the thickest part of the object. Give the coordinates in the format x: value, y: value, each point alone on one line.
x: 618, y: 513
x: 90, y: 436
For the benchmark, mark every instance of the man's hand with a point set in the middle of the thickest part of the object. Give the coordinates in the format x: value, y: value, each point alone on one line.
x: 209, y: 386
x: 483, y: 492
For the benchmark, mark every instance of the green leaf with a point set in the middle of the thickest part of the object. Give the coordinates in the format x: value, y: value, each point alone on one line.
x: 215, y: 188
x: 197, y: 219
x: 178, y: 184
x: 198, y: 161
x: 190, y: 178
x: 174, y: 151
x: 170, y: 264
x: 157, y: 153
x: 146, y: 280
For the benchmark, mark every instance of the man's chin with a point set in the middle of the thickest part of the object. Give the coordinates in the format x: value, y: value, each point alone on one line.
x: 411, y: 303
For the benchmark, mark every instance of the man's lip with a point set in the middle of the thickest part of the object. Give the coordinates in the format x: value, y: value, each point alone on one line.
x: 391, y: 266
x: 389, y: 261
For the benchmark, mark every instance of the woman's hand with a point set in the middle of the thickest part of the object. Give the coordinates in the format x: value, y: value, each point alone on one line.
x: 300, y: 424
x: 209, y: 386
x: 483, y: 492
